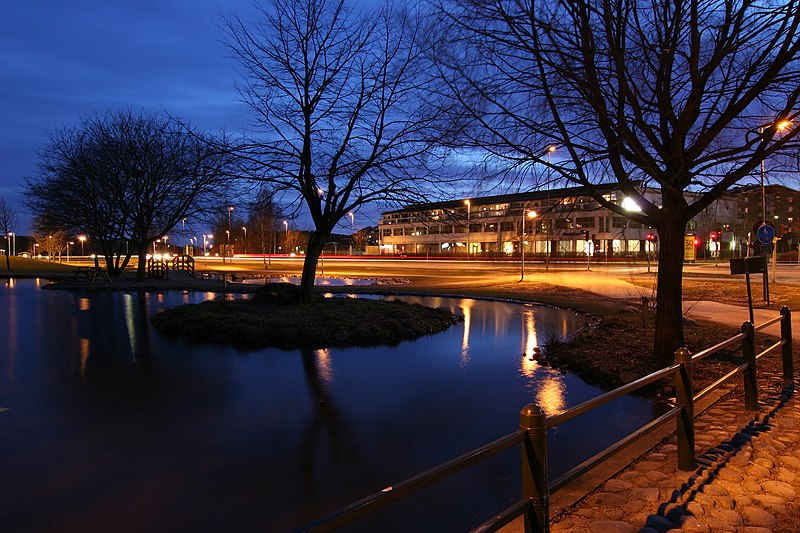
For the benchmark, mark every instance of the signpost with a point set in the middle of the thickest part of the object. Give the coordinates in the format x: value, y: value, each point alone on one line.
x: 765, y: 232
x: 747, y: 266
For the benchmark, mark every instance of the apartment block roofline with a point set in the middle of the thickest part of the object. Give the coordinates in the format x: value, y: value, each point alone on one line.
x: 511, y: 197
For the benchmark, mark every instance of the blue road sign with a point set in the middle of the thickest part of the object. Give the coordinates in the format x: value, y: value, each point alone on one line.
x: 765, y: 233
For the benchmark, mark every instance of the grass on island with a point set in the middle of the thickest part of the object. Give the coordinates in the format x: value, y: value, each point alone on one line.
x: 280, y: 322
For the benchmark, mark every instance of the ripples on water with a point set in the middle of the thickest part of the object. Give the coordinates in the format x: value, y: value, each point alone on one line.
x: 112, y: 427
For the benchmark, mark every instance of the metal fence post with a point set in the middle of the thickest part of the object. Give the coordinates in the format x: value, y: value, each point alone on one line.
x: 786, y: 349
x: 534, y: 469
x: 749, y: 357
x: 684, y: 397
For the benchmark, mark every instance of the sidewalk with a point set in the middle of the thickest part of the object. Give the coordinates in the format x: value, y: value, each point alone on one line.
x: 747, y: 478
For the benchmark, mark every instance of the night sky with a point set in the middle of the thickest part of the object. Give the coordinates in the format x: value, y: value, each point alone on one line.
x: 60, y: 61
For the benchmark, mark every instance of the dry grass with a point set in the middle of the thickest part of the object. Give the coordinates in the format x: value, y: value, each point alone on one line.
x: 733, y: 291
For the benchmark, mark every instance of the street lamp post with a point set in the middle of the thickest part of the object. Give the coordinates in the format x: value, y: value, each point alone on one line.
x: 286, y: 240
x: 227, y: 235
x: 82, y: 238
x: 69, y: 243
x: 469, y: 209
x: 531, y: 215
x: 547, y: 250
x: 245, y: 238
x: 780, y: 126
x: 352, y: 230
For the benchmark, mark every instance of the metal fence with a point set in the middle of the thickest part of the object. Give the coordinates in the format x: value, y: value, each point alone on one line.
x: 532, y: 435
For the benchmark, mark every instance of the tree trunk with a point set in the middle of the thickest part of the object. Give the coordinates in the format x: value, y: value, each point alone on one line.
x: 669, y: 296
x: 141, y: 267
x: 316, y: 241
x: 8, y: 258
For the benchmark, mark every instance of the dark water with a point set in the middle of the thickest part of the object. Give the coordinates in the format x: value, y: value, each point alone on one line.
x: 111, y: 427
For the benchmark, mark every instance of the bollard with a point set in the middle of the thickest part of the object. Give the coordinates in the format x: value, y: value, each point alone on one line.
x: 749, y: 357
x: 786, y: 349
x: 534, y: 469
x: 684, y: 397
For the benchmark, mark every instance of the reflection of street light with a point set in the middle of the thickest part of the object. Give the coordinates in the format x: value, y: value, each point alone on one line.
x: 531, y: 215
x: 469, y: 207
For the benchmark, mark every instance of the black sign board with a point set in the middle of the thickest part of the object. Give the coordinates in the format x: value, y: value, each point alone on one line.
x: 749, y: 265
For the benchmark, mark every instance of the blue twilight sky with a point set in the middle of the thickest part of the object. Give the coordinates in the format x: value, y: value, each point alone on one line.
x: 63, y: 60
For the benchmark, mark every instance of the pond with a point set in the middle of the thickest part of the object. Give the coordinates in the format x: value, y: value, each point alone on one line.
x: 109, y: 426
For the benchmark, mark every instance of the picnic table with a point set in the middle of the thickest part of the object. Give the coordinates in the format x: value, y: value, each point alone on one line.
x: 90, y: 273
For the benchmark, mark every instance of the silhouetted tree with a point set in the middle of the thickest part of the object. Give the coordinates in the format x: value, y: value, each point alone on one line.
x: 125, y: 179
x: 342, y: 106
x: 8, y: 224
x: 686, y: 97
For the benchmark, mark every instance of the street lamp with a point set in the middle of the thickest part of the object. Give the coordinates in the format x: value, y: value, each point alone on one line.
x: 12, y: 243
x: 780, y: 126
x: 69, y: 243
x: 547, y: 248
x: 245, y: 238
x: 531, y: 215
x: 227, y: 235
x: 286, y: 241
x: 469, y: 208
x: 352, y: 230
x: 82, y: 238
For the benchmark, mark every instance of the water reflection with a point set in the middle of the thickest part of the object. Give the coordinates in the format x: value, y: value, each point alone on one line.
x: 275, y: 438
x: 466, y: 311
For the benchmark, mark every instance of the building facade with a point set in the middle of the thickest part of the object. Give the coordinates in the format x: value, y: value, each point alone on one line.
x: 557, y: 223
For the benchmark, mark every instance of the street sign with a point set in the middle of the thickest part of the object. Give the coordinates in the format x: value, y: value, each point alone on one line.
x: 766, y: 249
x: 765, y: 234
x: 749, y: 265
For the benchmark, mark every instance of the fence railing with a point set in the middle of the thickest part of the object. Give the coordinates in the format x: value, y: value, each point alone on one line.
x: 534, y: 506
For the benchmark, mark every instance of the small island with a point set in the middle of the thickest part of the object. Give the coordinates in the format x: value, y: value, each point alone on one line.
x: 274, y: 318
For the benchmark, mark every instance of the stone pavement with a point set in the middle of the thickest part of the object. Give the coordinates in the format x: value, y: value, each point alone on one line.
x: 747, y: 478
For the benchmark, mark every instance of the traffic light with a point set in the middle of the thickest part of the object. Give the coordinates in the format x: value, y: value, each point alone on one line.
x: 586, y: 235
x: 713, y: 236
x: 652, y: 237
x: 697, y: 241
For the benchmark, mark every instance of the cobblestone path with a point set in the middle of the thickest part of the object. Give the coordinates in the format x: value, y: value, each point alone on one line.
x: 747, y: 478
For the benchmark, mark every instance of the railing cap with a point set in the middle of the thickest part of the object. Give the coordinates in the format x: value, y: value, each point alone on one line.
x: 683, y: 355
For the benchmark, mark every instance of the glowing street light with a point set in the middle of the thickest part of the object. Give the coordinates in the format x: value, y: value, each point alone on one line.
x: 352, y: 230
x: 82, y: 238
x: 469, y: 208
x: 532, y: 215
x: 245, y: 238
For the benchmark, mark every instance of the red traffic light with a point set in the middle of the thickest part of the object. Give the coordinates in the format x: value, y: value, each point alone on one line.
x: 697, y: 241
x: 713, y: 236
x: 652, y: 237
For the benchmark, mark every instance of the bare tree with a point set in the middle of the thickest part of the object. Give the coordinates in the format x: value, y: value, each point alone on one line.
x: 125, y: 179
x: 341, y: 101
x: 8, y: 224
x: 263, y: 224
x: 687, y: 97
